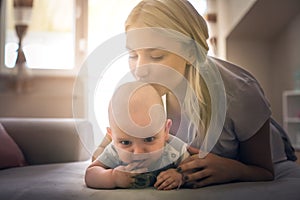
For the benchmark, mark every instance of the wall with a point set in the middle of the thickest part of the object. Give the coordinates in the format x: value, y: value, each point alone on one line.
x: 46, y: 97
x: 229, y: 13
x: 285, y: 61
x: 254, y: 56
x: 268, y: 48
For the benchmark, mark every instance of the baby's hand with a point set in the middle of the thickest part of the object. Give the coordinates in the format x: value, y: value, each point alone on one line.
x: 169, y: 179
x: 124, y: 176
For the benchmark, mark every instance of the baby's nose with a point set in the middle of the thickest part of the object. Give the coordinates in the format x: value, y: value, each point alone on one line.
x: 137, y: 151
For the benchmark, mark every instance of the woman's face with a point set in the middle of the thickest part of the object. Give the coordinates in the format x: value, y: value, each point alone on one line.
x: 151, y: 59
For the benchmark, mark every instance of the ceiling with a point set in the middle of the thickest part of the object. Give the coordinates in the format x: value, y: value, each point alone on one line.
x: 266, y: 19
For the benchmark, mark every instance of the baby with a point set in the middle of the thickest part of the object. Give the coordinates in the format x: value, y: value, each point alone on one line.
x: 142, y: 152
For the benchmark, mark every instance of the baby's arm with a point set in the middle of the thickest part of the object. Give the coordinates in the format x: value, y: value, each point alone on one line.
x: 99, y: 176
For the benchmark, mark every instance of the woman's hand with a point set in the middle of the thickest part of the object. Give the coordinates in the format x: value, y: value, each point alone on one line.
x: 169, y: 179
x: 254, y: 164
x: 211, y: 169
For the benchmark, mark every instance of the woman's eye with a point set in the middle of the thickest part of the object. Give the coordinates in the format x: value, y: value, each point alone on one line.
x: 157, y: 57
x: 125, y: 142
x: 132, y: 55
x: 149, y: 139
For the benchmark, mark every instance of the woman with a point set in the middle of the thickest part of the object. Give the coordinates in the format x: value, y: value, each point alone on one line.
x: 243, y: 151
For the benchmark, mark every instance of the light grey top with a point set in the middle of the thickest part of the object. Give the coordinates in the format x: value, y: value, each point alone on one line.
x: 247, y: 110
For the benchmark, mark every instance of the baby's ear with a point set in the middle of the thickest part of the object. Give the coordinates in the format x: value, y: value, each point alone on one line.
x: 108, y: 130
x: 168, y: 127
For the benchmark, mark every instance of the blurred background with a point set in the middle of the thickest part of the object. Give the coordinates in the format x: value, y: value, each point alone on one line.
x: 58, y: 35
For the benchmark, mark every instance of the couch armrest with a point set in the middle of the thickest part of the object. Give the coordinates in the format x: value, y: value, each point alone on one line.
x: 51, y: 140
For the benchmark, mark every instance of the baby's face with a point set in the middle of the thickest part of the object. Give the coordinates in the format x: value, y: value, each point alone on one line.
x: 143, y: 150
x: 139, y: 128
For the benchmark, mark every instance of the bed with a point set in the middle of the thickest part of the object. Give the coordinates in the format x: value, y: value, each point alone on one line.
x: 57, y: 170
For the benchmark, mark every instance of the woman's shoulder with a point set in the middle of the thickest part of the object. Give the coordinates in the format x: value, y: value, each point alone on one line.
x: 231, y: 71
x: 244, y: 93
x: 236, y: 79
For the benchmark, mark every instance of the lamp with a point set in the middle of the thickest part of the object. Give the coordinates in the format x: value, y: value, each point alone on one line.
x: 22, y: 17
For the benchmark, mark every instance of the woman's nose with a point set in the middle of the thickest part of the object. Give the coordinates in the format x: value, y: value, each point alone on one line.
x: 141, y: 71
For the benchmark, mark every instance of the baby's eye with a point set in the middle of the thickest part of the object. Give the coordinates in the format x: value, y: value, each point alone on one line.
x: 125, y: 142
x: 149, y: 139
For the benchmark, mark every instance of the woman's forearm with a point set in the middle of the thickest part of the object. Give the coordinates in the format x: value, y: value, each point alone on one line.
x: 254, y: 173
x: 256, y: 154
x: 245, y: 172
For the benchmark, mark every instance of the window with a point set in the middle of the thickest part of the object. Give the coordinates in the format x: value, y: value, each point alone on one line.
x: 106, y: 19
x: 101, y: 29
x: 49, y: 41
x: 62, y: 32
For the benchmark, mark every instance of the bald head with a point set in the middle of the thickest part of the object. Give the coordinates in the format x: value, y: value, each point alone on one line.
x: 137, y: 109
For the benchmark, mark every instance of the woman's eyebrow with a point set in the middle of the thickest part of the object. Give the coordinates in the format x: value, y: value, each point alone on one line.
x: 157, y: 48
x: 147, y: 49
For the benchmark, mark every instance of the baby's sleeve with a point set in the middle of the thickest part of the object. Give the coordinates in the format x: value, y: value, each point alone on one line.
x: 184, y: 154
x: 109, y: 157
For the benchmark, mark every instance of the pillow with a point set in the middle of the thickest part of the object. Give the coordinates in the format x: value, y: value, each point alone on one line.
x: 10, y: 153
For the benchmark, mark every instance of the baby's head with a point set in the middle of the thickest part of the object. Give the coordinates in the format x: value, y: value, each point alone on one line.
x: 138, y: 124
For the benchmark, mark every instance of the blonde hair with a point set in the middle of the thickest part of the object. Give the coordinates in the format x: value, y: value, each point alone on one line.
x: 181, y: 16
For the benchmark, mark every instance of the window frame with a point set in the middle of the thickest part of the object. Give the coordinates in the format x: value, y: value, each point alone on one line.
x: 2, y: 33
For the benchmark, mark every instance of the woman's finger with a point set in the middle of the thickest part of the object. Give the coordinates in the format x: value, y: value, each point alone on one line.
x: 192, y: 150
x: 194, y: 164
x: 190, y: 158
x: 198, y: 175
